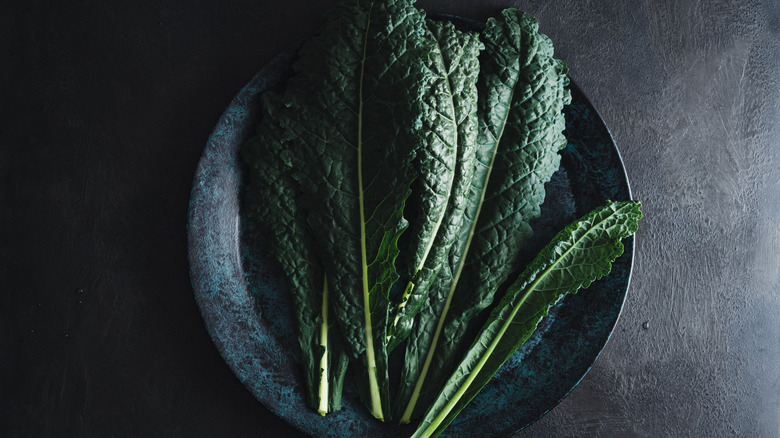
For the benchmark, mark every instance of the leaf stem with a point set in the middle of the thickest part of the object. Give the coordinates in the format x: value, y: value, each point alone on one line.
x: 376, y: 402
x: 324, y: 393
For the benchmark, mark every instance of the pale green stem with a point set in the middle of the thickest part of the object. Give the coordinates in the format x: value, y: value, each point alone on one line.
x: 373, y: 384
x: 324, y: 393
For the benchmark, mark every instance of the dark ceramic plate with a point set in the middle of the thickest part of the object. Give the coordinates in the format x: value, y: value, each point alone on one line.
x: 245, y: 304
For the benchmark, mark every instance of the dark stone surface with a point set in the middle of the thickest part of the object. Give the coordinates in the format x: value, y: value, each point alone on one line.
x: 104, y: 112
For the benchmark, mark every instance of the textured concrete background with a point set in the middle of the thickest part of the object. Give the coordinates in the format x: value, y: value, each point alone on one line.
x: 104, y: 111
x: 691, y: 94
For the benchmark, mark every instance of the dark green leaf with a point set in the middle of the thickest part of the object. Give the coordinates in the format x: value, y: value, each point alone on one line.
x: 521, y: 95
x: 271, y: 200
x: 445, y: 165
x: 580, y: 254
x: 351, y: 116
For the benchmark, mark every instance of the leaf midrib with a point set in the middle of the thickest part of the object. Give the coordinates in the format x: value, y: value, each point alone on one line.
x: 455, y: 146
x: 376, y: 402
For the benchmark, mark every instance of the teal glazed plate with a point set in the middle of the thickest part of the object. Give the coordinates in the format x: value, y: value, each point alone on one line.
x: 245, y: 302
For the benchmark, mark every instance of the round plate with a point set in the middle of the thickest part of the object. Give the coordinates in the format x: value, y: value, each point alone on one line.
x: 243, y: 295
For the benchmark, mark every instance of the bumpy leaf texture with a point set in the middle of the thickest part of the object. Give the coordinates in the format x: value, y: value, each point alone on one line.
x: 522, y: 91
x: 445, y: 166
x: 271, y: 198
x: 580, y: 254
x: 351, y: 115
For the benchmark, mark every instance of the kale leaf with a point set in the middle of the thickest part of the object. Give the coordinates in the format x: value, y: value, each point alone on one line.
x: 350, y: 117
x: 521, y: 96
x: 580, y: 254
x: 445, y: 166
x: 271, y: 199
